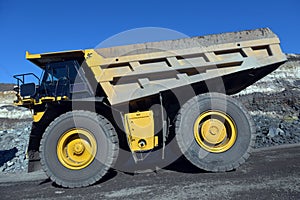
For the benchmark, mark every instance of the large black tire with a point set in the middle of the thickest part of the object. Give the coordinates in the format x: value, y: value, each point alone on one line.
x: 197, y: 153
x: 106, y: 141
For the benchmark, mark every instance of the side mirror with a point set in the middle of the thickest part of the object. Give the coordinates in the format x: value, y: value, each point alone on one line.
x: 27, y: 90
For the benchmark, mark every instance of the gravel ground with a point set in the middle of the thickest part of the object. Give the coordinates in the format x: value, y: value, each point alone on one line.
x: 273, y: 102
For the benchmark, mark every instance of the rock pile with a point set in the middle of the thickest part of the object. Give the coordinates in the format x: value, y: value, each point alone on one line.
x: 276, y: 117
x: 274, y: 103
x: 15, y: 127
x: 12, y: 112
x: 14, y: 137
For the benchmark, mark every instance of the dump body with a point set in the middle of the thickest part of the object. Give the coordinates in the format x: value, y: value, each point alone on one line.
x: 136, y: 71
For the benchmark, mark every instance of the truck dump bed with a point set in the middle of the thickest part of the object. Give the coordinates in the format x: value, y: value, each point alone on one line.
x: 140, y: 70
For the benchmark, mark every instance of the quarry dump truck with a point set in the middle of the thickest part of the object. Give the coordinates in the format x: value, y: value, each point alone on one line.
x: 90, y: 106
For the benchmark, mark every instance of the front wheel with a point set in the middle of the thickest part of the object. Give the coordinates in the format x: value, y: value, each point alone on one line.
x: 215, y: 132
x: 78, y: 148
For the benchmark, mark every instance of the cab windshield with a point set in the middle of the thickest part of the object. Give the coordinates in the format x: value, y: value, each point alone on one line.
x: 59, y: 71
x: 57, y: 78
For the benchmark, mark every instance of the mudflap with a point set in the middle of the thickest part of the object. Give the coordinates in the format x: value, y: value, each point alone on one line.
x: 34, y: 161
x: 33, y: 148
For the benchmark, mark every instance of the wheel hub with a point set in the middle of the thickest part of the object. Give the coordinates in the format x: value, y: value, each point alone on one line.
x: 76, y: 148
x: 215, y: 131
x: 79, y: 148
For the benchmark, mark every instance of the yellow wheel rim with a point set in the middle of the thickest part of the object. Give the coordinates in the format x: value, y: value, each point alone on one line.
x: 76, y: 148
x: 215, y: 131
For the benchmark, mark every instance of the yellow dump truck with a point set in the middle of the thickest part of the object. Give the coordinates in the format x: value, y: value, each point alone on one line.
x: 91, y: 105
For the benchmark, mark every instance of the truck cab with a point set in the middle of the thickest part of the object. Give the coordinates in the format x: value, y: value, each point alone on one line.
x: 60, y: 80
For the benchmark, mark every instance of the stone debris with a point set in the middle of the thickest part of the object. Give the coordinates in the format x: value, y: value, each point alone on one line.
x: 12, y: 112
x: 14, y: 137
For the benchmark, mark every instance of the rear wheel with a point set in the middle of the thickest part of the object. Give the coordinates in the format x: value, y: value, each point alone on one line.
x: 78, y: 148
x: 215, y: 132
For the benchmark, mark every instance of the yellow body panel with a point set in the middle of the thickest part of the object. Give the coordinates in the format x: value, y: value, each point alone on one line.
x: 38, y: 116
x: 30, y: 102
x: 32, y: 56
x: 140, y: 131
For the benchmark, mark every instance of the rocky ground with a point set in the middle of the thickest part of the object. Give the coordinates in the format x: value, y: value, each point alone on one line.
x: 276, y: 117
x: 15, y: 126
x: 14, y: 135
x: 273, y: 102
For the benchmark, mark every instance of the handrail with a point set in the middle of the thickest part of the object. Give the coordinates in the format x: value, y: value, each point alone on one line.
x: 22, y: 79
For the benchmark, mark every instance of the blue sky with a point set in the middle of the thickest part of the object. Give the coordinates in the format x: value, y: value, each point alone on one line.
x: 45, y: 26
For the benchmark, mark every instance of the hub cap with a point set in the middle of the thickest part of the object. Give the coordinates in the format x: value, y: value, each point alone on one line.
x: 215, y: 131
x: 76, y: 148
